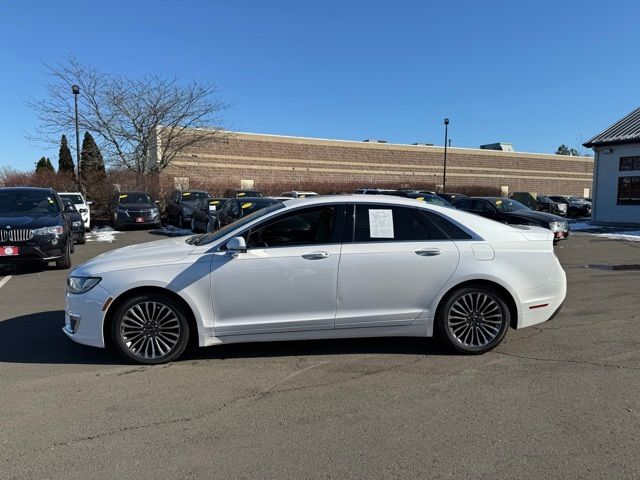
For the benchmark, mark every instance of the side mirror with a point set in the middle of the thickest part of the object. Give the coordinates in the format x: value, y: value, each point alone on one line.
x: 69, y: 208
x: 157, y: 202
x: 237, y: 245
x: 89, y: 202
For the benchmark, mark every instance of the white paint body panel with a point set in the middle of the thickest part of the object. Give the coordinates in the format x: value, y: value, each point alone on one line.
x: 357, y: 290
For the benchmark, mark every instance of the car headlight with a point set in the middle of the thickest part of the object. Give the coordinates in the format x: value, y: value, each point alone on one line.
x: 76, y: 224
x: 57, y: 230
x: 557, y: 226
x: 155, y: 211
x: 81, y: 284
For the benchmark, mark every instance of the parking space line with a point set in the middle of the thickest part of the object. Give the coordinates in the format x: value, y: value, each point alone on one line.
x: 4, y: 280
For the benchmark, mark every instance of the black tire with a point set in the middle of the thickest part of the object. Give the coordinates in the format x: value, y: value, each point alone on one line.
x: 64, y: 262
x: 193, y: 225
x: 573, y: 212
x: 119, y: 329
x: 82, y: 240
x: 180, y: 221
x: 73, y: 246
x: 485, y: 326
x: 207, y: 227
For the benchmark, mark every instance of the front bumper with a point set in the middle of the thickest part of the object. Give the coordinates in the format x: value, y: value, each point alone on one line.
x: 84, y: 318
x: 138, y: 220
x: 42, y: 248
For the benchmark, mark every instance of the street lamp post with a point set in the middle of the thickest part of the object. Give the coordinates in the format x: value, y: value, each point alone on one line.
x: 75, y: 89
x: 444, y: 171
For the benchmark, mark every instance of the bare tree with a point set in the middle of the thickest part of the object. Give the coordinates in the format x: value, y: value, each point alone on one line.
x: 141, y: 123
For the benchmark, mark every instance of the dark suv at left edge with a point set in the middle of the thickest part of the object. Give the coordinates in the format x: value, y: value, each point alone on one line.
x: 34, y: 226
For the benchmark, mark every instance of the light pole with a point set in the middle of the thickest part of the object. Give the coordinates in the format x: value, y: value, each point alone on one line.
x: 444, y: 172
x: 75, y: 89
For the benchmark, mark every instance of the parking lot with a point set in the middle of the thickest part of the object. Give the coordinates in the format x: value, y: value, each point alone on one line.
x: 559, y: 400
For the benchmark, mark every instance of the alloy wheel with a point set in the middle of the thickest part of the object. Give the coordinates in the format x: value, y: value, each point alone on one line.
x: 150, y: 330
x: 475, y: 319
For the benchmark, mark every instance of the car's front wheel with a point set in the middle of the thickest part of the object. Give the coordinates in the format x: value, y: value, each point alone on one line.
x: 64, y: 262
x: 150, y: 329
x: 473, y: 320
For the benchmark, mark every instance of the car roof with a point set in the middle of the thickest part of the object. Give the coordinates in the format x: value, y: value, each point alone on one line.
x: 32, y: 189
x: 131, y: 192
x: 69, y: 193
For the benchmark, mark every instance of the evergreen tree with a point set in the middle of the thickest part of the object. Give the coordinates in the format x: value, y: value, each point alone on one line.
x: 564, y: 150
x: 44, y: 165
x: 65, y: 160
x: 91, y: 161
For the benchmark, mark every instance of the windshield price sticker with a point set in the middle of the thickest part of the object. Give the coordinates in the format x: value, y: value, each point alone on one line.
x: 246, y: 205
x: 381, y: 224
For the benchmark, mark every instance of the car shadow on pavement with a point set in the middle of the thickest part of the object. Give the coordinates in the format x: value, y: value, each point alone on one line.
x: 38, y: 338
x: 352, y: 346
x: 28, y: 268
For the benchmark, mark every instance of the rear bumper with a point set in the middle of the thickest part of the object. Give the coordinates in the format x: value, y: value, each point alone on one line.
x: 541, y: 304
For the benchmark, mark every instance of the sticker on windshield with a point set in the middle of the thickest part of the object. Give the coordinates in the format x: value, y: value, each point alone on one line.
x: 421, y: 199
x: 186, y: 194
x: 123, y: 196
x: 380, y: 223
x: 241, y: 194
x: 214, y: 202
x: 246, y: 205
x: 498, y: 202
x: 50, y: 200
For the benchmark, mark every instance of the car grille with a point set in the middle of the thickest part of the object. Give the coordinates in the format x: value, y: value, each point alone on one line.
x: 140, y: 213
x: 18, y: 235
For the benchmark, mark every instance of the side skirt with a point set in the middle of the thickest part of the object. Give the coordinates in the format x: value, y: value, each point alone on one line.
x: 420, y: 328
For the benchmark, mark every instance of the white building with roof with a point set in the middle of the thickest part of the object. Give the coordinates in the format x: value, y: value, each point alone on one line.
x: 616, y: 172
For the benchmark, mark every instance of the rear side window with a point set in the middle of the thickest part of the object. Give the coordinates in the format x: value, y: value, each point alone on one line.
x: 386, y: 223
x: 449, y: 228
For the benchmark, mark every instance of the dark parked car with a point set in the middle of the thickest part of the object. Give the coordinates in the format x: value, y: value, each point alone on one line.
x: 206, y: 213
x: 34, y: 226
x: 430, y: 198
x: 181, y: 204
x: 541, y: 203
x: 576, y: 207
x: 236, y: 208
x: 77, y: 224
x: 451, y: 197
x: 134, y: 209
x: 509, y: 211
x: 242, y: 192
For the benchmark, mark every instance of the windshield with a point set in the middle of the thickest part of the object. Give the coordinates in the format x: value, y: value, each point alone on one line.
x: 435, y: 200
x: 506, y: 205
x: 192, y: 196
x: 213, y: 236
x: 28, y: 202
x: 134, y: 198
x: 77, y: 199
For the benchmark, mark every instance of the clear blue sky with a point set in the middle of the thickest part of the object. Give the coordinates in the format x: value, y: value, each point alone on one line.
x: 533, y: 73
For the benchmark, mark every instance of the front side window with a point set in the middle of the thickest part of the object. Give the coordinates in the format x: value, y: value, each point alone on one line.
x: 310, y: 226
x: 629, y: 190
x: 387, y: 223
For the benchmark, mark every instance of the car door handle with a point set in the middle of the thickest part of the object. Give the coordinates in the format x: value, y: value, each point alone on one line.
x: 428, y: 252
x: 315, y: 255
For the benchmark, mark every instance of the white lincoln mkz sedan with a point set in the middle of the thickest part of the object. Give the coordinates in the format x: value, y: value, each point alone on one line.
x: 323, y: 267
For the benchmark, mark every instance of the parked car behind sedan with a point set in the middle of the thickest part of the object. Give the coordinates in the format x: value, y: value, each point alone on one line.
x: 77, y: 224
x: 316, y: 268
x: 34, y: 227
x: 181, y: 204
x: 242, y: 193
x: 430, y: 198
x: 514, y: 213
x: 451, y: 197
x: 298, y: 194
x: 541, y: 203
x: 134, y: 209
x: 575, y: 207
x: 83, y: 206
x: 237, y: 208
x: 206, y: 213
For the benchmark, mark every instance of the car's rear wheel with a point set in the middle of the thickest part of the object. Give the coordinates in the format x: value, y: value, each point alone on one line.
x: 473, y: 320
x: 193, y: 225
x: 150, y: 329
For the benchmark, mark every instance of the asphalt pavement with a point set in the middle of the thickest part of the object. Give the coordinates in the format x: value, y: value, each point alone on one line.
x: 559, y: 400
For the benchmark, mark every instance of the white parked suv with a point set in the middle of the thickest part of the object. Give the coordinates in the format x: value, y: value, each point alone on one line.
x: 321, y: 267
x: 81, y: 205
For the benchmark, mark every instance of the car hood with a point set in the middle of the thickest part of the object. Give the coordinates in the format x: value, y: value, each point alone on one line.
x: 20, y: 220
x: 534, y: 215
x: 134, y: 256
x: 137, y: 206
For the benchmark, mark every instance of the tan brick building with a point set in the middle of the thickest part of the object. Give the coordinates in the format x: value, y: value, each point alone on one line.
x: 290, y: 162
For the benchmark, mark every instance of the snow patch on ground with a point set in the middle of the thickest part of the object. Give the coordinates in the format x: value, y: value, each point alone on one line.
x: 614, y: 233
x: 102, y: 234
